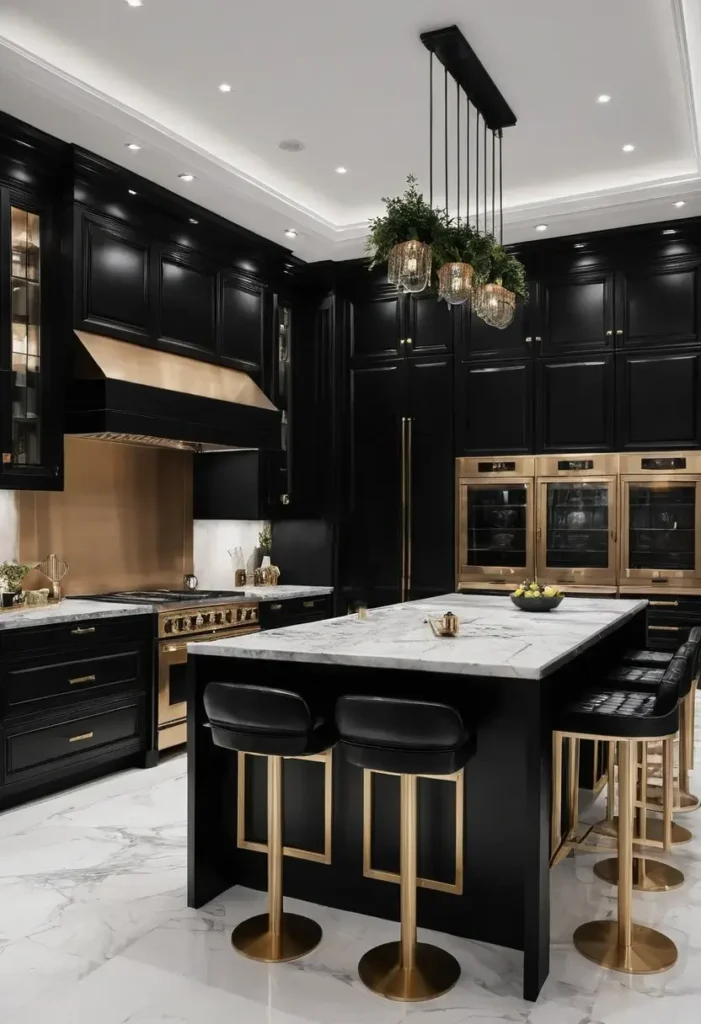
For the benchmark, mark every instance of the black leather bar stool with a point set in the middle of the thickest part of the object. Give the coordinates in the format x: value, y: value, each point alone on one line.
x: 277, y: 723
x: 629, y: 717
x: 407, y: 738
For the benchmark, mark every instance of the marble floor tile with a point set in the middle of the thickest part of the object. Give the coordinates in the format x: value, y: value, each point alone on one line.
x: 94, y: 927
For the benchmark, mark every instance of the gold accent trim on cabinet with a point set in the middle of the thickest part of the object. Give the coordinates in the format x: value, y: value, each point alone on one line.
x: 663, y: 604
x: 82, y: 679
x: 82, y: 736
x: 666, y: 629
x: 456, y: 887
x: 83, y: 629
x: 409, y: 443
x: 172, y: 735
x: 289, y: 851
x: 403, y: 488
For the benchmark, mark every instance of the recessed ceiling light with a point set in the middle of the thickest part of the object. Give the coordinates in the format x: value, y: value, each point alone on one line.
x: 290, y: 233
x: 135, y: 3
x: 341, y: 170
x: 579, y: 245
x: 186, y: 177
x: 669, y: 231
x: 225, y: 87
x: 193, y: 220
x: 541, y: 227
x: 679, y: 203
x: 131, y: 192
x: 133, y: 146
x: 291, y: 145
x: 628, y: 148
x: 604, y: 98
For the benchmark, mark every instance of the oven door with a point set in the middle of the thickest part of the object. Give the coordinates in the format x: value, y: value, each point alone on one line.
x: 577, y: 531
x: 661, y: 531
x: 495, y: 531
x: 172, y: 685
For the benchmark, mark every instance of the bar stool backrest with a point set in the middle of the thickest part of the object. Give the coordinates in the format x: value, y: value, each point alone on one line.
x: 398, y: 723
x: 672, y: 684
x: 247, y: 708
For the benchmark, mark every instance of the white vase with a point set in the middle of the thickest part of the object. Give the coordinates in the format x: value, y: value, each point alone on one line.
x: 265, y: 564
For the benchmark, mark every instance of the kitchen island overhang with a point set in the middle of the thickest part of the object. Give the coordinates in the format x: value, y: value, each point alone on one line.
x: 483, y: 836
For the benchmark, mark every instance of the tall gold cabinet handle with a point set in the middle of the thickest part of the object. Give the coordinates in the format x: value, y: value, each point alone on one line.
x: 403, y: 493
x: 409, y: 423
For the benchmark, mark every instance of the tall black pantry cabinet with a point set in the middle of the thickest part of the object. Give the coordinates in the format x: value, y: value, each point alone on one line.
x: 397, y: 522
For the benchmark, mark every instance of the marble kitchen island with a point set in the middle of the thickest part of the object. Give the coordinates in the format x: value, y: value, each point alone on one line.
x: 483, y: 834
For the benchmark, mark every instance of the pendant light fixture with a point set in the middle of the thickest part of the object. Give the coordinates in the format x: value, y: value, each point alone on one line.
x: 492, y: 302
x: 409, y: 265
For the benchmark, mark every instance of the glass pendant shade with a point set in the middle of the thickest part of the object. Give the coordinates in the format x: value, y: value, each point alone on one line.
x: 494, y: 304
x: 409, y: 265
x: 455, y: 283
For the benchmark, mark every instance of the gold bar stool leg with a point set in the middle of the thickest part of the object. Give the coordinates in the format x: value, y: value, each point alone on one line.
x: 621, y: 945
x: 687, y: 801
x: 275, y: 937
x: 408, y: 970
x: 609, y: 825
x: 556, y: 802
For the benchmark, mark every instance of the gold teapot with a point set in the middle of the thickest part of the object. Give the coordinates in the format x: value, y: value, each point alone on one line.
x: 447, y: 625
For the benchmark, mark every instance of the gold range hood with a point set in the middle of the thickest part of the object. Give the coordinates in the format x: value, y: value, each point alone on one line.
x: 132, y: 394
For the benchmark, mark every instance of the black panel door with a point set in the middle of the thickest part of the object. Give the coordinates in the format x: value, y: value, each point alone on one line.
x: 376, y: 325
x: 241, y: 321
x: 575, y: 406
x: 432, y: 468
x: 494, y: 408
x: 430, y: 325
x: 657, y: 306
x: 576, y: 314
x: 480, y: 341
x: 112, y: 279
x: 187, y: 302
x: 658, y: 400
x: 372, y: 551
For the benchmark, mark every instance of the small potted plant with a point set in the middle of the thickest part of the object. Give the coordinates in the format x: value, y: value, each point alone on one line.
x: 265, y: 543
x: 11, y: 576
x: 402, y: 238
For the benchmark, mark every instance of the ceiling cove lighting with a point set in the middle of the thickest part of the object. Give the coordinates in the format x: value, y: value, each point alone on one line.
x: 604, y: 98
x: 628, y: 148
x: 290, y: 233
x: 541, y: 227
x: 133, y: 146
x: 186, y: 177
x: 224, y: 87
x: 679, y: 203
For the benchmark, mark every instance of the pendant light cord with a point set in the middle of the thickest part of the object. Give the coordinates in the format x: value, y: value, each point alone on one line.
x: 501, y: 191
x: 445, y: 117
x: 494, y: 179
x: 430, y: 130
x: 477, y: 173
x: 457, y: 95
x: 467, y: 161
x: 486, y: 225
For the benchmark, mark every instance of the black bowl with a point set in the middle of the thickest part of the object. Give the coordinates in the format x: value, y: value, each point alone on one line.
x: 536, y: 604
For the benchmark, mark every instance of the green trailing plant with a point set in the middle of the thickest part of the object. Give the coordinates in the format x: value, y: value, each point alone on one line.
x: 12, y: 574
x: 265, y: 539
x: 460, y: 243
x: 504, y: 267
x: 407, y: 217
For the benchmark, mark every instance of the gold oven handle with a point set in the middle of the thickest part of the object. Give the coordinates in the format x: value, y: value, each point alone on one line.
x: 409, y: 423
x: 403, y: 501
x: 663, y: 604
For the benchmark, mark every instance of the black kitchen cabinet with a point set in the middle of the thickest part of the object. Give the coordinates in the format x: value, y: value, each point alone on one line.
x: 480, y: 342
x: 431, y: 325
x: 575, y: 404
x: 658, y: 305
x: 575, y: 313
x: 187, y: 307
x: 658, y: 400
x: 242, y: 321
x: 385, y: 324
x: 494, y: 408
x: 233, y: 485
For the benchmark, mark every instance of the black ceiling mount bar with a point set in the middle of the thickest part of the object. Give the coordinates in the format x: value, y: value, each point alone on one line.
x: 457, y: 56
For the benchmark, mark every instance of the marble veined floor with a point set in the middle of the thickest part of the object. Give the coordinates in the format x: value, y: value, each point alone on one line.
x: 94, y: 930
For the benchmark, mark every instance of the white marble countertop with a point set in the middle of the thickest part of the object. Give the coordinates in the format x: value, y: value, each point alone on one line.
x: 496, y: 638
x: 281, y: 593
x: 69, y: 610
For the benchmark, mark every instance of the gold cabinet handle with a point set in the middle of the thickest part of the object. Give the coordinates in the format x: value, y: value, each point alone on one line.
x: 83, y: 736
x: 81, y: 679
x: 538, y: 338
x: 401, y: 341
x: 609, y: 334
x: 663, y: 604
x: 284, y: 499
x: 83, y: 629
x: 408, y: 341
x: 275, y: 607
x: 619, y: 333
x: 666, y: 629
x: 307, y: 604
x: 528, y: 340
x: 613, y: 536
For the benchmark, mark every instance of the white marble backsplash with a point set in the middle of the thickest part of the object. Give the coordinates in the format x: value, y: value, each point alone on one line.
x: 9, y: 526
x: 213, y: 539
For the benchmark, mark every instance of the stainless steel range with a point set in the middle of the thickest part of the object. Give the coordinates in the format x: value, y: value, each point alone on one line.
x: 185, y: 615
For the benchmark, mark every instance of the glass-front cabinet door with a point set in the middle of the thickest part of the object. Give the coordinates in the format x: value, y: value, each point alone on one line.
x: 577, y: 531
x: 661, y: 536
x: 28, y: 452
x: 495, y: 524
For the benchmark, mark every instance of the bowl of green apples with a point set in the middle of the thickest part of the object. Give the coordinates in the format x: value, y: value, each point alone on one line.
x: 532, y: 597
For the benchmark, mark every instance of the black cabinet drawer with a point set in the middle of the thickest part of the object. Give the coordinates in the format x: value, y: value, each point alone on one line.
x: 80, y: 635
x: 274, y: 614
x: 46, y: 682
x: 44, y: 746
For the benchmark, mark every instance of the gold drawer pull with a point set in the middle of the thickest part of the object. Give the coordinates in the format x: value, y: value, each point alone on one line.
x: 307, y: 604
x: 275, y: 607
x: 81, y: 679
x: 664, y: 604
x: 666, y: 629
x: 83, y: 629
x: 83, y: 736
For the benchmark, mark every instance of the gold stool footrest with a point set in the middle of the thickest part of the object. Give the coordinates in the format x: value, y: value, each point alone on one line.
x: 297, y: 936
x: 434, y: 972
x: 650, y: 952
x: 656, y: 876
x: 654, y: 830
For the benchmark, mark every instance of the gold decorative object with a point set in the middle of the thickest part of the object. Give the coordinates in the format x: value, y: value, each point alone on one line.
x: 54, y: 569
x: 494, y: 304
x: 273, y: 575
x: 409, y: 265
x: 455, y: 283
x: 447, y: 625
x: 36, y: 597
x: 240, y: 578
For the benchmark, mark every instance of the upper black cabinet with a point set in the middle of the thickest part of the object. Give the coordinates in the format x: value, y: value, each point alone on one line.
x: 658, y: 400
x: 575, y: 404
x: 113, y: 278
x: 187, y: 305
x: 430, y: 325
x: 242, y: 320
x: 494, y: 408
x: 480, y: 341
x: 576, y: 314
x: 657, y: 306
x: 385, y: 325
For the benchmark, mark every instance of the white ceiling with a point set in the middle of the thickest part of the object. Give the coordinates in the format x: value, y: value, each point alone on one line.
x: 351, y: 81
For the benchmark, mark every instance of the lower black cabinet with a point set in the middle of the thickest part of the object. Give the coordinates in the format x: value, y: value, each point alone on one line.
x: 575, y: 404
x: 293, y: 611
x: 494, y: 408
x: 658, y: 400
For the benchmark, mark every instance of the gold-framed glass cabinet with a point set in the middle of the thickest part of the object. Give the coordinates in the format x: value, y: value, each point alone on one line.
x: 660, y: 521
x: 577, y: 521
x: 494, y: 522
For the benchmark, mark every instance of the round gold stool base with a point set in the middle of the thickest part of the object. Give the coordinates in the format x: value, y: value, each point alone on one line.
x: 298, y: 935
x: 686, y: 802
x: 654, y: 828
x: 434, y: 972
x: 650, y: 952
x: 659, y: 877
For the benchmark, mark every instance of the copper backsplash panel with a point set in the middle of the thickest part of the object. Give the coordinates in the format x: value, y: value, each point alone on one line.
x: 123, y: 522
